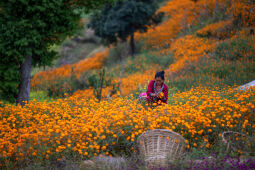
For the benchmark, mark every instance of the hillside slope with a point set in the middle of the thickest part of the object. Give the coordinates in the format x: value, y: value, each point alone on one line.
x: 205, y: 42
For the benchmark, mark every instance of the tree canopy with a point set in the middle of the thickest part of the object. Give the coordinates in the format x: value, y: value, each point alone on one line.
x: 28, y: 29
x: 124, y: 18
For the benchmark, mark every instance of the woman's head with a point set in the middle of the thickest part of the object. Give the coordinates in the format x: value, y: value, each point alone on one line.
x: 160, y: 77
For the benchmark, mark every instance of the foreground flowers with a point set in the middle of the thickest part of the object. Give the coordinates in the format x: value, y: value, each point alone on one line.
x: 80, y: 127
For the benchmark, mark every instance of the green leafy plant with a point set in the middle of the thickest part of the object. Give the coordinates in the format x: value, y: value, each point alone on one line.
x: 234, y: 49
x: 28, y: 30
x: 123, y: 19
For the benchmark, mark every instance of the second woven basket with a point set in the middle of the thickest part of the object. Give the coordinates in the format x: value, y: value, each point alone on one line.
x: 160, y: 146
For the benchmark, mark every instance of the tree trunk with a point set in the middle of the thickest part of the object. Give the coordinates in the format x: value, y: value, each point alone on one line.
x: 24, y: 86
x: 132, y: 45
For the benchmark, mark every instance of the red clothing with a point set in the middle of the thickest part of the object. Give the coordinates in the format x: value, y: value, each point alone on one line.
x: 151, y: 89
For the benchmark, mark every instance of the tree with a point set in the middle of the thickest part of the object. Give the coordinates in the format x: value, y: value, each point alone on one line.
x: 123, y: 19
x: 28, y: 28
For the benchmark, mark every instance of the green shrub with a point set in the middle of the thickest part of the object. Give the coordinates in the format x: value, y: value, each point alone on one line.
x: 63, y: 87
x: 99, y: 79
x: 122, y: 51
x: 93, y: 78
x: 162, y: 60
x: 146, y: 61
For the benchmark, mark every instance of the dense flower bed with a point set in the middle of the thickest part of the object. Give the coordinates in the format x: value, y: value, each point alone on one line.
x: 84, y: 128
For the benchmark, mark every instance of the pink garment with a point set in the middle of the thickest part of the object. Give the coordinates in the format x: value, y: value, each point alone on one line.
x: 150, y: 90
x: 143, y: 95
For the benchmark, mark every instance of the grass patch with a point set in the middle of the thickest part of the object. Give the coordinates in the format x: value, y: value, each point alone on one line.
x: 40, y: 96
x: 142, y: 62
x: 235, y: 49
x: 214, y: 73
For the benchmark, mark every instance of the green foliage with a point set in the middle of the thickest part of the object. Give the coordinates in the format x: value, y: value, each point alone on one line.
x: 124, y: 19
x: 96, y: 79
x: 98, y: 87
x: 235, y: 49
x: 196, y: 153
x: 9, y: 76
x: 162, y: 60
x: 90, y: 5
x: 187, y: 81
x: 30, y: 28
x: 93, y: 78
x: 39, y: 96
x: 144, y: 61
x: 233, y: 72
x: 214, y: 73
x: 116, y: 53
x: 64, y: 87
x: 100, y: 79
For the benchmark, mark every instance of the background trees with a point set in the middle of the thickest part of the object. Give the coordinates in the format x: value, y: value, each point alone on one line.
x: 28, y: 29
x: 123, y: 19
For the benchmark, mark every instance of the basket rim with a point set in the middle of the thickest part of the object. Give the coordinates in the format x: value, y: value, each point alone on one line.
x: 163, y: 130
x: 229, y: 132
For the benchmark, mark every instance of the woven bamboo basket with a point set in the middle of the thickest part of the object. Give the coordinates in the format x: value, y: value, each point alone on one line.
x: 160, y: 146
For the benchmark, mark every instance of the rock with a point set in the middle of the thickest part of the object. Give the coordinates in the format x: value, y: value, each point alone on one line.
x: 104, y: 162
x: 247, y: 86
x: 87, y: 164
x: 111, y: 162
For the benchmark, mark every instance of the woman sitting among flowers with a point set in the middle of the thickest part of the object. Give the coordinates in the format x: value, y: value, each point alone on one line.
x: 157, y: 90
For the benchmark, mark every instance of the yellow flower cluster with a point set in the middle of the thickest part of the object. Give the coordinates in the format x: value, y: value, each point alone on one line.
x: 127, y: 85
x: 131, y: 82
x: 84, y: 127
x: 189, y: 49
x: 183, y: 14
x: 219, y: 30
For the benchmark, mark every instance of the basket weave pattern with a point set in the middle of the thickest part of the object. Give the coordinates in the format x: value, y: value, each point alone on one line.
x: 159, y: 146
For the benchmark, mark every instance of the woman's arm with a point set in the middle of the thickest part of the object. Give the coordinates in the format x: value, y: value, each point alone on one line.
x: 165, y: 91
x: 150, y: 89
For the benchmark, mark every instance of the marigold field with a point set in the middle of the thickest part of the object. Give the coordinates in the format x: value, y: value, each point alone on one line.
x: 211, y: 48
x: 78, y: 126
